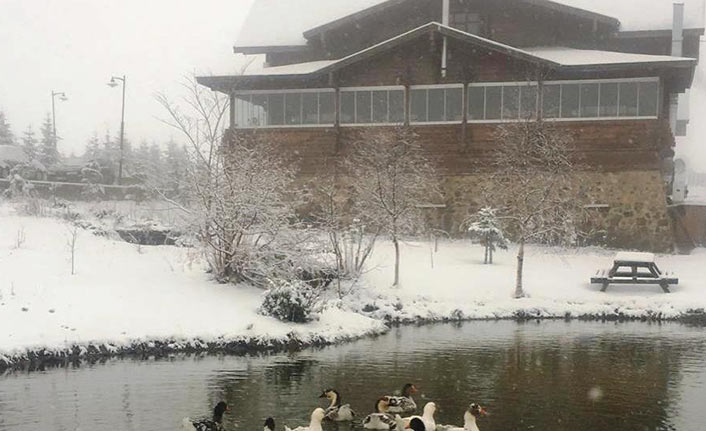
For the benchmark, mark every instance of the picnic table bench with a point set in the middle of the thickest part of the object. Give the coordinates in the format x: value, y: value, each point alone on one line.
x: 634, y: 268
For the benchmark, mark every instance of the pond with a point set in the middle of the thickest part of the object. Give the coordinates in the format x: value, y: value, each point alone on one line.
x: 549, y: 375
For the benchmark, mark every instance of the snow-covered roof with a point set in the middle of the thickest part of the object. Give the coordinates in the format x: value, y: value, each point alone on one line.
x: 638, y: 15
x: 291, y: 69
x: 570, y: 57
x: 12, y: 154
x: 552, y: 56
x: 283, y: 22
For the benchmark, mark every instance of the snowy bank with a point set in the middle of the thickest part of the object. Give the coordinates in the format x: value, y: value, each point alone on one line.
x: 556, y: 282
x: 128, y: 298
x: 158, y: 299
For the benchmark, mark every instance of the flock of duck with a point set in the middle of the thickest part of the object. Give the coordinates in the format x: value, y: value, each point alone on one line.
x: 387, y: 415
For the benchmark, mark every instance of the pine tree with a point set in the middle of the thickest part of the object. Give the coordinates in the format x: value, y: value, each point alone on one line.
x: 6, y: 136
x: 175, y: 167
x: 29, y: 143
x: 93, y: 149
x: 48, y: 153
x: 487, y: 228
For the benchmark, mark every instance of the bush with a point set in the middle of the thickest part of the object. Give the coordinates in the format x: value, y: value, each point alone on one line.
x: 289, y: 301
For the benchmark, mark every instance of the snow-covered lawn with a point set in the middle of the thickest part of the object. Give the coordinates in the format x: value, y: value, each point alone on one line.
x: 122, y: 294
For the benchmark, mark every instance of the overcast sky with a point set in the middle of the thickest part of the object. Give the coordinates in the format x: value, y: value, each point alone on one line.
x: 76, y: 45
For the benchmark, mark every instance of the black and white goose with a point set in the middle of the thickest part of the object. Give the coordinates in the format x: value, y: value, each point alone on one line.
x: 405, y: 403
x: 337, y: 412
x: 269, y: 425
x: 427, y: 417
x: 473, y: 412
x: 381, y: 419
x: 214, y: 424
x: 314, y: 425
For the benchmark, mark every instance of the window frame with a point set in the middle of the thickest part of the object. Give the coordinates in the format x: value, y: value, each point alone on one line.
x: 372, y: 89
x: 284, y: 103
x: 578, y: 82
x: 436, y: 87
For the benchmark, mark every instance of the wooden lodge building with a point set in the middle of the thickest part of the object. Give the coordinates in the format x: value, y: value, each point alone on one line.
x: 456, y: 69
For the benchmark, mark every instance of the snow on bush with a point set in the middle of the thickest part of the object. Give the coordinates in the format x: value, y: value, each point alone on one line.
x: 289, y: 301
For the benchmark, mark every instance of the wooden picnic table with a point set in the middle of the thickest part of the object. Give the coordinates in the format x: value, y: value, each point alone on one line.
x: 634, y: 268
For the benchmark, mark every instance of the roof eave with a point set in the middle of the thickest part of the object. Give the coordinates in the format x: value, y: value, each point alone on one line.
x: 623, y: 66
x: 268, y: 49
x: 697, y: 32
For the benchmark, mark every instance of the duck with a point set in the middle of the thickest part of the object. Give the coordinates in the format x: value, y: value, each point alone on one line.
x: 427, y: 417
x: 215, y: 424
x: 405, y: 403
x: 269, y: 425
x: 381, y: 419
x: 314, y: 425
x: 337, y: 412
x: 473, y: 412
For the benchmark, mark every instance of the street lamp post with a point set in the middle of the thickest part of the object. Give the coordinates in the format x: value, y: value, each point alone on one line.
x: 114, y: 84
x: 63, y: 98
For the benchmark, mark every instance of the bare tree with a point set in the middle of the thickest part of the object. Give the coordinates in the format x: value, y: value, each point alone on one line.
x: 350, y: 240
x: 535, y: 185
x: 391, y: 177
x: 240, y: 194
x: 71, y: 245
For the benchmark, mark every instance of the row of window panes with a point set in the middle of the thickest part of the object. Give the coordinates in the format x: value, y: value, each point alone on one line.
x: 372, y: 106
x: 285, y: 109
x: 429, y: 105
x: 564, y: 100
x: 436, y: 105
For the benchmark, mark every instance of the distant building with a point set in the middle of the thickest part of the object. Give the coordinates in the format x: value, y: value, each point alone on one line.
x: 456, y: 69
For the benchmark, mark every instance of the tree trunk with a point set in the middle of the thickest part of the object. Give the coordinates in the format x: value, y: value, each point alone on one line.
x: 397, y: 262
x: 519, y: 293
x: 485, y: 257
x: 490, y: 253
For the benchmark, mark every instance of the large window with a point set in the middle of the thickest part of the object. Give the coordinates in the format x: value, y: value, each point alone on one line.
x: 581, y: 100
x: 436, y: 104
x: 372, y: 105
x: 470, y: 22
x: 284, y: 108
x: 501, y: 102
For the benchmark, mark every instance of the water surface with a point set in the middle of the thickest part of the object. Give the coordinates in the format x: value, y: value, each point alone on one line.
x: 551, y: 375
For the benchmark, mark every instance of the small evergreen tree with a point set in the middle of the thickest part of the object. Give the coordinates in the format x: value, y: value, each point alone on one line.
x: 48, y: 153
x: 487, y: 228
x: 29, y: 143
x: 93, y: 148
x: 6, y: 136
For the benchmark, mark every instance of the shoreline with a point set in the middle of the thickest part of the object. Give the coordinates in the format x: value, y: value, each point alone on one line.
x: 79, y: 354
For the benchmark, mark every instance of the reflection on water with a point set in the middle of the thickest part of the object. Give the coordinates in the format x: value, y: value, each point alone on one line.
x: 534, y: 376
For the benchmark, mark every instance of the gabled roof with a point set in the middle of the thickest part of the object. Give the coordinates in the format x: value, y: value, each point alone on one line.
x: 559, y: 58
x: 284, y: 24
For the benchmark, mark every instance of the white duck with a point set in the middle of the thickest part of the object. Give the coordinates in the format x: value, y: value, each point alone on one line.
x: 314, y: 425
x: 469, y: 420
x: 405, y: 403
x: 337, y: 412
x: 427, y: 417
x: 381, y: 419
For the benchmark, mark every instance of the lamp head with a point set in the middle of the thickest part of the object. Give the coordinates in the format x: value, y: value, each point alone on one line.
x: 112, y: 83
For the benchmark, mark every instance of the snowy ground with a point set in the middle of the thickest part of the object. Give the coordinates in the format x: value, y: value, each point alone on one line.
x: 122, y: 294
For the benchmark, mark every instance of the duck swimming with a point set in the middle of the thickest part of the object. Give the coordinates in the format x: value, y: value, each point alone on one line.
x: 215, y: 424
x: 314, y: 425
x: 427, y: 417
x: 473, y: 412
x: 405, y: 403
x: 269, y: 425
x: 337, y: 412
x: 381, y: 419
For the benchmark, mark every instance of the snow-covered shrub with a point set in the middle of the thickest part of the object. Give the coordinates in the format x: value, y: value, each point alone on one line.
x: 93, y: 191
x: 19, y: 186
x: 289, y: 301
x: 486, y: 227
